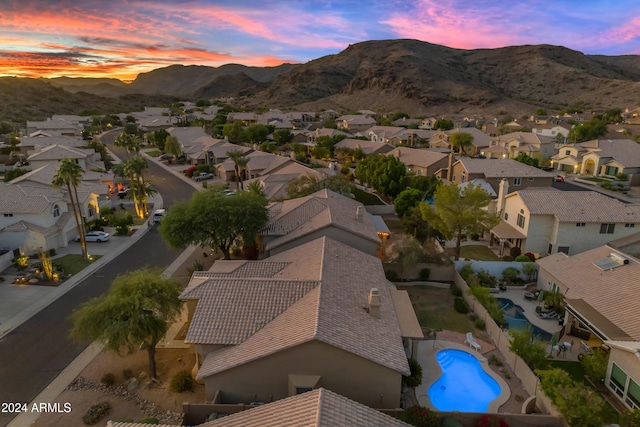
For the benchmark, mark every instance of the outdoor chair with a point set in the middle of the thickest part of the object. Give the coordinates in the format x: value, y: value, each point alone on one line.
x: 472, y: 341
x: 547, y: 315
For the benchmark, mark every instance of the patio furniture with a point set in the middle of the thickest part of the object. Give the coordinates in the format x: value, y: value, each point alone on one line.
x: 472, y: 341
x: 585, y: 348
x: 529, y: 296
x: 547, y: 314
x: 568, y: 344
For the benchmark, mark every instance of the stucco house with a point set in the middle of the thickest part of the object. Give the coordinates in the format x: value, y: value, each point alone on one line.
x: 34, y: 216
x: 550, y: 221
x: 87, y: 158
x: 367, y: 147
x: 324, y: 213
x: 510, y: 145
x: 602, y: 158
x: 58, y: 126
x: 421, y: 162
x: 600, y: 289
x: 270, y: 329
x: 493, y: 171
x: 355, y: 122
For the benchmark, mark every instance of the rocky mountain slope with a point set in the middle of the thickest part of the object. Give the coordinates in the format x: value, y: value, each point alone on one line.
x: 391, y: 75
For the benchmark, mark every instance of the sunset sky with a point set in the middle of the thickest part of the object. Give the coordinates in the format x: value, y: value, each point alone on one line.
x: 121, y: 38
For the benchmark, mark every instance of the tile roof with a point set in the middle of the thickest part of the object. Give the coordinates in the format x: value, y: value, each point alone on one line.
x: 624, y: 151
x: 367, y: 147
x: 613, y: 293
x: 578, y: 206
x: 316, y: 408
x: 502, y: 168
x: 324, y: 208
x: 417, y: 157
x: 57, y: 152
x: 332, y: 312
x: 19, y: 198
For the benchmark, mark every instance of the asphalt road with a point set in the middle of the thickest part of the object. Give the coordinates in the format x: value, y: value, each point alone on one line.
x: 34, y: 353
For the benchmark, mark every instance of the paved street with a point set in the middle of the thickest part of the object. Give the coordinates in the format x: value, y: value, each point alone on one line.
x: 35, y: 352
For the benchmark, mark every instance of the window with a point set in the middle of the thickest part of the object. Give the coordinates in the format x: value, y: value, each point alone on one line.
x: 517, y: 181
x: 8, y: 214
x: 520, y: 220
x: 419, y: 172
x: 580, y: 224
x: 567, y: 152
x: 56, y: 211
x: 463, y: 177
x: 550, y: 248
x: 530, y: 179
x: 563, y: 249
x: 629, y: 225
x: 506, y: 216
x: 618, y: 380
x: 607, y: 228
x: 300, y: 390
x: 633, y: 395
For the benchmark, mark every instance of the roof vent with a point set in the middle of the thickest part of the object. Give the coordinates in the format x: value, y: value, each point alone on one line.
x: 374, y: 302
x: 359, y: 212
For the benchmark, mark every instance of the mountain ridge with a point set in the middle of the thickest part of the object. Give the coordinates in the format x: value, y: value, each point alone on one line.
x: 395, y: 75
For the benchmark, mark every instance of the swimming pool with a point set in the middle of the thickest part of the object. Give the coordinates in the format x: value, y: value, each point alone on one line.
x: 515, y: 318
x: 463, y: 386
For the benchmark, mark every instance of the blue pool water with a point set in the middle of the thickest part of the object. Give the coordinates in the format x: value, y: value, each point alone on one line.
x: 464, y: 386
x: 514, y: 315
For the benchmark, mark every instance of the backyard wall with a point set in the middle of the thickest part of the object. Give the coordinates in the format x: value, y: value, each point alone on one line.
x: 380, y: 209
x: 495, y: 268
x: 529, y: 380
x: 437, y: 273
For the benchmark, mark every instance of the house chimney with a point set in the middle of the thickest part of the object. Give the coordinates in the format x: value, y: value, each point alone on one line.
x: 359, y: 213
x: 450, y: 166
x: 374, y: 302
x: 502, y: 193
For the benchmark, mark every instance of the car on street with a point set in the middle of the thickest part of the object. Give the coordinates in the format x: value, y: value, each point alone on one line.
x: 123, y: 192
x: 95, y: 236
x: 158, y: 215
x: 558, y: 178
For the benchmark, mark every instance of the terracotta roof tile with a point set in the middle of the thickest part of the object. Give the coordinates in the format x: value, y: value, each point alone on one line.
x: 316, y: 408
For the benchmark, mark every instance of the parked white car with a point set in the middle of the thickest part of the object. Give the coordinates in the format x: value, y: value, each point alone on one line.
x: 158, y: 215
x: 95, y: 236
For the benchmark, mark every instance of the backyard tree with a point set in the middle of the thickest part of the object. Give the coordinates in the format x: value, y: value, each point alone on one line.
x: 443, y: 124
x: 211, y: 219
x: 461, y: 141
x: 386, y: 174
x: 457, y: 212
x: 137, y: 309
x: 406, y: 201
x: 68, y: 175
x: 531, y: 350
x: 283, y: 136
x: 257, y: 133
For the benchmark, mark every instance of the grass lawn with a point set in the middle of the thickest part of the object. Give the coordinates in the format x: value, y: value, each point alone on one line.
x: 366, y: 198
x: 478, y: 253
x: 434, y: 309
x: 74, y: 263
x: 594, y: 179
x: 154, y: 153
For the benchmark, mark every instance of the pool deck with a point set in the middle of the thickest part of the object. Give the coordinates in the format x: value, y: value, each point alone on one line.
x: 431, y: 371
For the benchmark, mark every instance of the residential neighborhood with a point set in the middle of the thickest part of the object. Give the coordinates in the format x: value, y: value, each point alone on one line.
x: 338, y: 295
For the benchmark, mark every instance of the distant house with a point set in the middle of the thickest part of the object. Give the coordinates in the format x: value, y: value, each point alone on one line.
x: 367, y: 147
x: 56, y: 127
x: 608, y: 158
x: 480, y: 140
x: 559, y: 132
x: 324, y: 213
x: 511, y: 145
x: 267, y: 330
x: 519, y: 175
x: 421, y: 162
x: 383, y: 133
x: 550, y: 221
x: 355, y: 122
x: 88, y: 159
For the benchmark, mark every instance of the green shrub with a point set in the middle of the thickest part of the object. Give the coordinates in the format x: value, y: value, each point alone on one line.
x: 149, y: 420
x: 52, y: 252
x: 105, y: 211
x: 424, y: 274
x: 127, y: 374
x: 96, y: 413
x: 182, y: 381
x: 455, y: 291
x: 460, y: 305
x: 480, y: 324
x: 466, y: 271
x: 493, y: 360
x: 108, y: 379
x: 392, y: 275
x: 514, y: 252
x: 486, y: 279
x: 415, y: 379
x: 122, y: 230
x: 419, y: 416
x: 475, y: 237
x: 204, y: 168
x: 522, y: 258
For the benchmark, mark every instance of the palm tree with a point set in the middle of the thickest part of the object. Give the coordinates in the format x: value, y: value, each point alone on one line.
x: 129, y: 142
x: 134, y: 169
x: 240, y: 163
x: 68, y: 175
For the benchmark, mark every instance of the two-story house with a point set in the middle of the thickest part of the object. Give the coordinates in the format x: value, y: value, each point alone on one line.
x: 550, y: 221
x: 512, y: 144
x: 421, y: 162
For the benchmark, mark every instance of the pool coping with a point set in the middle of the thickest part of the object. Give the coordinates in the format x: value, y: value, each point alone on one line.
x: 431, y: 372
